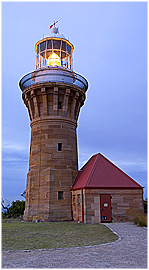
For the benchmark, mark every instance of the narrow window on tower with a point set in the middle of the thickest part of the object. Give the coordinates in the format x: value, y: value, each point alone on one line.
x: 59, y: 147
x: 59, y: 105
x: 60, y: 195
x: 74, y: 199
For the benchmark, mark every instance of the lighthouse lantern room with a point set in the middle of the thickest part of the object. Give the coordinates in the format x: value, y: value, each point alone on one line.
x: 54, y: 51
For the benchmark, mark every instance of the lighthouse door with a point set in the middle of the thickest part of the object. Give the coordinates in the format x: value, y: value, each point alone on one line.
x: 105, y: 208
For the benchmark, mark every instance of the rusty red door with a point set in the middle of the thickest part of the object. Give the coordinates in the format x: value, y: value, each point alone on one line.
x: 105, y: 207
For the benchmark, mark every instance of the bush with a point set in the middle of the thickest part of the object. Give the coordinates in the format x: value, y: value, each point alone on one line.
x: 16, y: 209
x: 4, y: 215
x: 145, y: 205
x: 141, y: 220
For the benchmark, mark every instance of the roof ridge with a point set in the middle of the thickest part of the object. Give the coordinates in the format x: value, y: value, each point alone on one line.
x: 87, y: 162
x: 93, y: 169
x: 121, y: 170
x: 80, y: 171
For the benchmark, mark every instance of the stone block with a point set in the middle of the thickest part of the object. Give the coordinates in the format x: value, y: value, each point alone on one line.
x: 95, y: 220
x: 96, y: 199
x: 97, y: 213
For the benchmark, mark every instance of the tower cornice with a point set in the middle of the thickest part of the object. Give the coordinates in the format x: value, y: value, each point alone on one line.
x: 52, y: 84
x: 51, y: 119
x: 53, y: 75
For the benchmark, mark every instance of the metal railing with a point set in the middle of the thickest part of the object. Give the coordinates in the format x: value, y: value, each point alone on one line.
x: 53, y: 74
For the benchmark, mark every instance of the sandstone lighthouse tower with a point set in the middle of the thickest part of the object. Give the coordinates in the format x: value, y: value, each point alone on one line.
x: 53, y: 94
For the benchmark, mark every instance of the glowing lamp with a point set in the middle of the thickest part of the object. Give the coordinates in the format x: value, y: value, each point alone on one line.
x: 53, y: 60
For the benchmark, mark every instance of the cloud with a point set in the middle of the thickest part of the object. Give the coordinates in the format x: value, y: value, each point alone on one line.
x: 14, y: 170
x: 13, y: 159
x: 131, y: 165
x: 122, y: 160
x: 14, y: 155
x: 14, y: 147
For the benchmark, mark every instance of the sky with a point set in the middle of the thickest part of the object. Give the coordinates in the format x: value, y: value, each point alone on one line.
x: 110, y: 51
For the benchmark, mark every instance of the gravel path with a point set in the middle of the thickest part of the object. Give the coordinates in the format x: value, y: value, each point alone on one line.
x: 130, y: 251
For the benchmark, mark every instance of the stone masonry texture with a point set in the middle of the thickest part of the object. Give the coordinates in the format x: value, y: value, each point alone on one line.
x: 125, y: 203
x: 53, y: 109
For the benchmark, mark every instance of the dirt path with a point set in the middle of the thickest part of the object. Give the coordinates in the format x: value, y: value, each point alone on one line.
x: 129, y: 252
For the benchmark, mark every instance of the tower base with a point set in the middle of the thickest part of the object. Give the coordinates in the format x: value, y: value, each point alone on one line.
x: 51, y: 201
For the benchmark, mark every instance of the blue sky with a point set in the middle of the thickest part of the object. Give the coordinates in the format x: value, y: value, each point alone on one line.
x: 110, y: 40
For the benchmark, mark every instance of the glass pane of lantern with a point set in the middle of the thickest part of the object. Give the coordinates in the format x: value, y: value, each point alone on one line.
x: 57, y: 52
x: 63, y: 46
x: 49, y: 45
x: 42, y: 46
x: 63, y: 55
x: 48, y: 53
x: 37, y: 49
x: 64, y: 62
x: 68, y: 61
x: 42, y: 54
x: 69, y: 49
x: 42, y: 61
x: 37, y: 58
x: 56, y: 44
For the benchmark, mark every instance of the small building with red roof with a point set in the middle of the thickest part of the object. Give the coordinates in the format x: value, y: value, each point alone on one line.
x: 102, y: 192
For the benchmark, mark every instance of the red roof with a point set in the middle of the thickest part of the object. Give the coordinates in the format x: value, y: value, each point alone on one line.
x: 99, y: 172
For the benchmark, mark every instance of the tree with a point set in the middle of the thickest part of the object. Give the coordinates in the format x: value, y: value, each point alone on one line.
x: 5, y: 206
x: 24, y: 194
x: 16, y: 209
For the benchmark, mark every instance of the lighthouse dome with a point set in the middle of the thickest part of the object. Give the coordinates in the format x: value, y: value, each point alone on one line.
x: 55, y: 32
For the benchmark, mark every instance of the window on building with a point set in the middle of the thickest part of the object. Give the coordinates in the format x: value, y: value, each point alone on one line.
x: 78, y: 199
x: 60, y: 195
x: 59, y: 146
x: 59, y: 105
x: 105, y: 205
x: 74, y: 199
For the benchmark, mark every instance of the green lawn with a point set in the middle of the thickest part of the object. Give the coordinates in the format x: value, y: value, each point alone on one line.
x: 17, y: 235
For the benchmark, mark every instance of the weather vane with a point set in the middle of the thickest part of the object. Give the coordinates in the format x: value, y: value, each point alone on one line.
x: 53, y: 24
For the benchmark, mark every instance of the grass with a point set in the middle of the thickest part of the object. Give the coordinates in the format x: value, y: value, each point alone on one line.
x: 17, y: 235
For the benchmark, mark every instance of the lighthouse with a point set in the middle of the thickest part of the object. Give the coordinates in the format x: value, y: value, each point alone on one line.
x: 53, y: 94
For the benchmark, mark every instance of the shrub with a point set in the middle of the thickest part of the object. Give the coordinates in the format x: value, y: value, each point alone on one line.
x: 141, y: 220
x: 145, y: 205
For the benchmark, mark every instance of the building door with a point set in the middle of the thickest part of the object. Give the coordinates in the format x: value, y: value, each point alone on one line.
x: 105, y: 207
